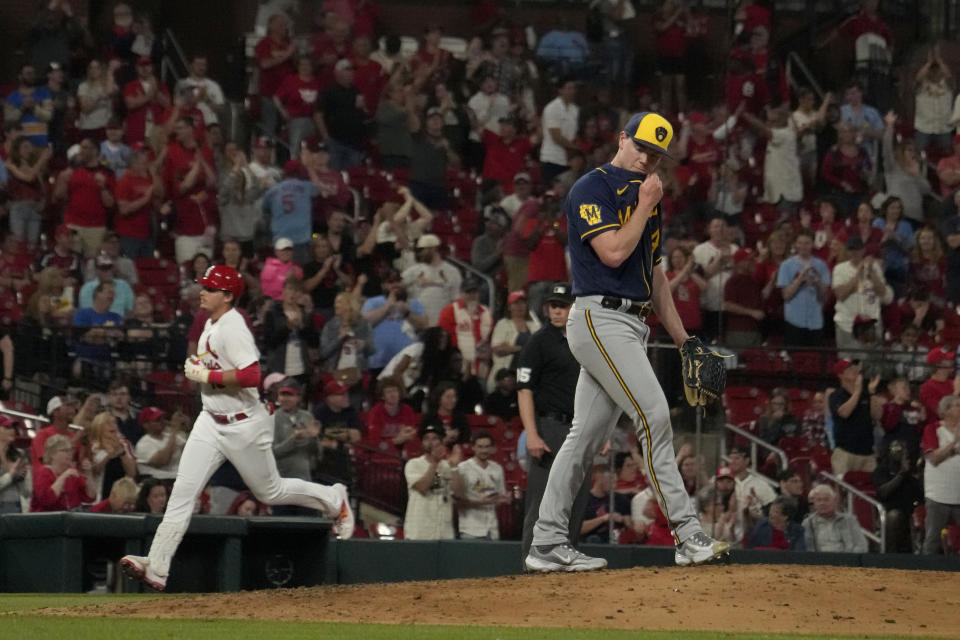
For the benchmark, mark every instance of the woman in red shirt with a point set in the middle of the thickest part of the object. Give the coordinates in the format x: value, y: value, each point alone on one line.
x: 670, y: 25
x: 928, y: 266
x: 391, y: 424
x: 765, y: 273
x: 861, y: 224
x: 685, y: 285
x: 296, y: 100
x: 136, y: 194
x: 846, y: 169
x: 57, y: 484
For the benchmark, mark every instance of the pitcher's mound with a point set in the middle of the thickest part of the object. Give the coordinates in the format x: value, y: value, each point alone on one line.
x: 732, y: 598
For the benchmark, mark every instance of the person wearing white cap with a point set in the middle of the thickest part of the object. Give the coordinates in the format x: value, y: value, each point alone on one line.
x: 434, y: 282
x: 277, y: 269
x: 60, y: 410
x: 522, y: 192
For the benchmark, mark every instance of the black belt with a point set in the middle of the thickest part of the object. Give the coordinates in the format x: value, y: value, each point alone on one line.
x: 641, y: 310
x: 565, y: 418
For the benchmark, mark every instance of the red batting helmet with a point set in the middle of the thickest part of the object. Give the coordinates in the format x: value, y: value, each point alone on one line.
x: 225, y: 278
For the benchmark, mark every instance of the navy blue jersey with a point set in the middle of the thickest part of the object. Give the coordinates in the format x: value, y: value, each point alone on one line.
x: 601, y: 201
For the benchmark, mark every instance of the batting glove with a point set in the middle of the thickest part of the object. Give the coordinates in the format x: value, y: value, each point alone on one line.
x: 195, y: 371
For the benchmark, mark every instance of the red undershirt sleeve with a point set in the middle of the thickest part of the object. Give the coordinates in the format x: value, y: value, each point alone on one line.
x: 246, y: 377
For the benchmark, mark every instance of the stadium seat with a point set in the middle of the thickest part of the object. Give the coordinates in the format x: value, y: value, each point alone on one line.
x: 743, y: 404
x: 860, y: 480
x: 800, y: 400
x: 160, y: 276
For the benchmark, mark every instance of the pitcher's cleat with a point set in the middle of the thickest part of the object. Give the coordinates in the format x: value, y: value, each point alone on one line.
x: 561, y: 557
x: 138, y: 568
x: 700, y: 548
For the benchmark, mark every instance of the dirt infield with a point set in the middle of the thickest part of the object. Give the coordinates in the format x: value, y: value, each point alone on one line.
x: 733, y: 598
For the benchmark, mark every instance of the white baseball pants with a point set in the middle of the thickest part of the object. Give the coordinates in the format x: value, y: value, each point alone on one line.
x: 248, y: 444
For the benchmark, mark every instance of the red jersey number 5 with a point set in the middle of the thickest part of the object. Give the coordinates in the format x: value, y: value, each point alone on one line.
x: 288, y: 202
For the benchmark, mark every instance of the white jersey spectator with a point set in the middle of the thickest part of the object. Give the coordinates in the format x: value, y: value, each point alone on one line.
x: 429, y: 513
x: 479, y: 486
x: 432, y: 281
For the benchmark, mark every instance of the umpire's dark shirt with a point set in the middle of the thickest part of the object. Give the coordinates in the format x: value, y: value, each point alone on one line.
x: 547, y: 368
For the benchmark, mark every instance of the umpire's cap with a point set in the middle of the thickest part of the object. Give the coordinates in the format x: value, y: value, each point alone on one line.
x: 651, y: 131
x: 561, y: 292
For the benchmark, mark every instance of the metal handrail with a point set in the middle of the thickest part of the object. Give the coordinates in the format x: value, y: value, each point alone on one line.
x: 491, y: 285
x: 754, y: 443
x: 35, y: 418
x: 852, y: 492
x: 168, y: 33
x: 273, y: 137
x: 794, y: 59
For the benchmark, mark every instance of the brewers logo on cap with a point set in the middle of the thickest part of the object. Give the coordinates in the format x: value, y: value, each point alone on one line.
x: 651, y: 131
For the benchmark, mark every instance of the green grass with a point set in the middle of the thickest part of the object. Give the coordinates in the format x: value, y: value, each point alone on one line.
x: 23, y: 602
x: 17, y: 621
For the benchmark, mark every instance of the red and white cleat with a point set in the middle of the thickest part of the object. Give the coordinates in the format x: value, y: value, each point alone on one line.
x: 138, y: 568
x: 344, y: 524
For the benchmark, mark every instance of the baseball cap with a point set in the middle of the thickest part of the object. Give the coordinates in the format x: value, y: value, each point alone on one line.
x: 854, y: 243
x: 263, y: 142
x: 272, y: 379
x: 288, y: 385
x: 470, y: 283
x: 283, y: 243
x: 63, y: 229
x: 142, y: 60
x: 314, y: 144
x: 294, y: 168
x: 724, y: 472
x: 561, y: 292
x: 54, y: 66
x: 432, y: 428
x: 7, y: 421
x: 434, y: 111
x: 150, y: 414
x: 938, y: 355
x: 333, y: 388
x: 651, y: 131
x: 54, y: 403
x: 343, y: 64
x: 698, y: 117
x: 841, y: 366
x: 523, y: 176
x: 104, y: 261
x: 516, y: 295
x: 743, y: 254
x: 428, y: 240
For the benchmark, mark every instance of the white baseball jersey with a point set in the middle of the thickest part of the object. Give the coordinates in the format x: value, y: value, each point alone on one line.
x: 480, y: 482
x: 224, y: 345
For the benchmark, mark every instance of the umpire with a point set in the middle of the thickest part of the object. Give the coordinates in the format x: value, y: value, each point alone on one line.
x: 546, y: 381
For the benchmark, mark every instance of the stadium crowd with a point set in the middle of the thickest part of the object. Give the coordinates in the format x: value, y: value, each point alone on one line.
x: 792, y: 221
